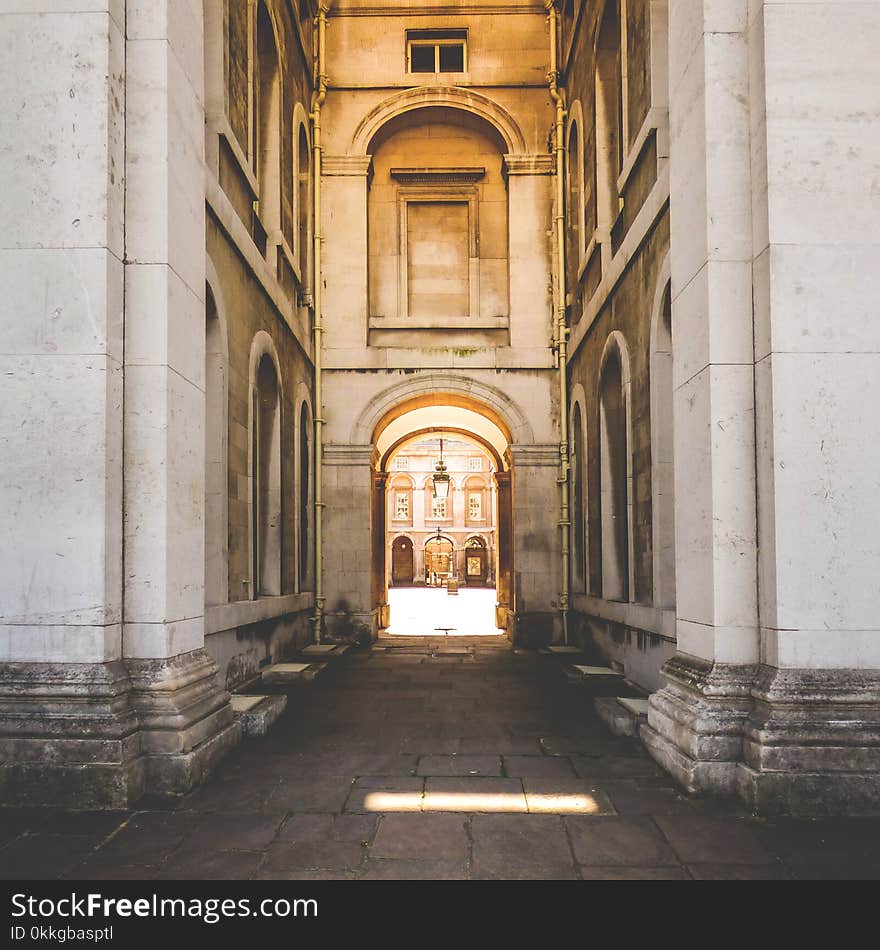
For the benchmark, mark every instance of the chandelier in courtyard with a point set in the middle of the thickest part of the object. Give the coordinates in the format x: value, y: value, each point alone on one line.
x: 441, y: 478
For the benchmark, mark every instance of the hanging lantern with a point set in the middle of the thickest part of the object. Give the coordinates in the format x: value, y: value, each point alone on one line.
x: 441, y: 478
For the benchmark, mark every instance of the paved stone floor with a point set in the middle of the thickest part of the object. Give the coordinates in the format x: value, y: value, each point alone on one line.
x: 408, y: 762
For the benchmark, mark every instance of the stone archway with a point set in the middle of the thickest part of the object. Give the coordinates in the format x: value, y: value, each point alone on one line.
x: 445, y: 414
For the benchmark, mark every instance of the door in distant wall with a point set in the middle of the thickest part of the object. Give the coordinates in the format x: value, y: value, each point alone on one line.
x: 438, y: 561
x: 475, y: 563
x: 401, y: 562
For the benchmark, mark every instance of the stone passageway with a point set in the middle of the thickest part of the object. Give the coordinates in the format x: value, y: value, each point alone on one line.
x: 425, y: 759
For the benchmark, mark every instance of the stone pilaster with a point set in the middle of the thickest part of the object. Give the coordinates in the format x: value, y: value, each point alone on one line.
x: 67, y: 729
x: 695, y: 723
x: 184, y: 715
x: 348, y: 551
x: 535, y: 533
x: 812, y: 741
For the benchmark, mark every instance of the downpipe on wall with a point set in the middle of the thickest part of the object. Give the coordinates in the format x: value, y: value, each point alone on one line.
x: 560, y: 341
x: 318, y: 97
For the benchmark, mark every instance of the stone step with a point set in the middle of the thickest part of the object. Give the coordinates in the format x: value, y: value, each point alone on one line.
x: 559, y: 650
x: 327, y: 651
x: 288, y: 674
x: 257, y: 714
x: 623, y: 715
x: 580, y: 673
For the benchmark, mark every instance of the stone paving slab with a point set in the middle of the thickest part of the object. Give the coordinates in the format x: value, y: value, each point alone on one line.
x: 330, y: 794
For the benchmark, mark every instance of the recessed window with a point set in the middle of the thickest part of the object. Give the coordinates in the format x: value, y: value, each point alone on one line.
x: 438, y: 508
x: 429, y: 51
x: 475, y: 506
x: 402, y: 463
x: 401, y: 507
x: 475, y: 464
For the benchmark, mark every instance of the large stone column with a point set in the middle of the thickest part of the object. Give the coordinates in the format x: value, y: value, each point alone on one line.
x: 696, y: 722
x: 813, y: 739
x: 185, y: 718
x: 535, y: 541
x: 67, y: 729
x: 348, y: 552
x: 504, y: 609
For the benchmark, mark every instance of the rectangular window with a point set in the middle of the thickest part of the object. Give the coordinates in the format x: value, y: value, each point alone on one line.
x: 432, y: 51
x: 401, y: 506
x: 401, y: 464
x: 438, y: 508
x: 475, y: 464
x: 475, y: 506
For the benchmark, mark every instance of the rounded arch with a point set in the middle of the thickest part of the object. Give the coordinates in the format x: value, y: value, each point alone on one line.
x: 451, y: 97
x: 263, y: 345
x: 419, y: 435
x: 216, y: 442
x: 660, y: 382
x: 614, y: 411
x: 664, y: 287
x: 579, y: 469
x: 401, y: 480
x: 442, y: 389
x: 302, y: 190
x: 301, y: 121
x: 576, y: 188
x: 304, y: 489
x: 265, y: 470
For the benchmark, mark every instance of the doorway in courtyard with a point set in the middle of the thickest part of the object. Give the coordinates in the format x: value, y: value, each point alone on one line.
x: 442, y: 516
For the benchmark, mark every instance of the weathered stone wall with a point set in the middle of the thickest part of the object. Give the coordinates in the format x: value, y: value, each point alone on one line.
x: 613, y: 290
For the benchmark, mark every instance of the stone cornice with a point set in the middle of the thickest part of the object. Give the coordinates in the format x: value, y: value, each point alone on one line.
x: 527, y: 165
x: 438, y: 176
x: 546, y: 455
x: 336, y: 454
x: 354, y: 166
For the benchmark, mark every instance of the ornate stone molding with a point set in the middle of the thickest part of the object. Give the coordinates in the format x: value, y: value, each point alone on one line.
x: 527, y: 165
x: 812, y: 742
x: 542, y: 456
x: 336, y: 454
x: 438, y: 176
x: 185, y: 718
x: 69, y: 736
x: 352, y: 166
x: 695, y: 723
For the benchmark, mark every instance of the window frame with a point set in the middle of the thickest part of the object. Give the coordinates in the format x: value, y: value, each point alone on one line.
x: 436, y: 39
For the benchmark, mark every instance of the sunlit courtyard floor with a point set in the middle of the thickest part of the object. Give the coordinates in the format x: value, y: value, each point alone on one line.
x: 429, y: 611
x: 431, y: 758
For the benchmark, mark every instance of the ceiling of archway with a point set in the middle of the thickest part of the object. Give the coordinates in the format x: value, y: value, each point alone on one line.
x: 438, y: 418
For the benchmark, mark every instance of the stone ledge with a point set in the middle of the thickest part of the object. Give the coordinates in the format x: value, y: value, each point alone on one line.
x: 257, y: 714
x: 623, y: 716
x: 289, y: 674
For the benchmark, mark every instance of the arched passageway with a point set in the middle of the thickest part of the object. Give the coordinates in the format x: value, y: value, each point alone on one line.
x: 442, y: 555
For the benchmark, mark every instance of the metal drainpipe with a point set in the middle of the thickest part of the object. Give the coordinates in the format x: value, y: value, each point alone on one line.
x: 561, y: 335
x: 318, y: 97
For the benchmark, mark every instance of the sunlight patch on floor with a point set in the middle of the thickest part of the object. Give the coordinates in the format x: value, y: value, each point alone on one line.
x: 496, y: 802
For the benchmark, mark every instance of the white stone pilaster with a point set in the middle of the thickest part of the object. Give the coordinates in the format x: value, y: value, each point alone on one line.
x: 696, y: 721
x: 186, y: 722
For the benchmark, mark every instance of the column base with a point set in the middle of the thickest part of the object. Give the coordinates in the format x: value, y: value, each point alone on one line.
x: 186, y: 721
x: 695, y: 723
x: 69, y: 736
x: 812, y: 743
